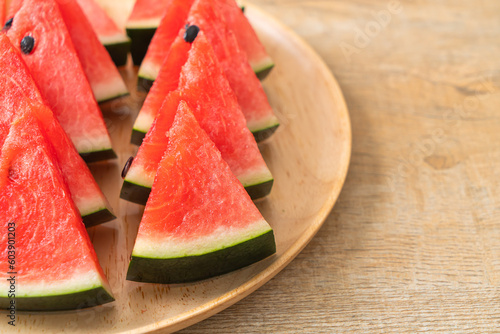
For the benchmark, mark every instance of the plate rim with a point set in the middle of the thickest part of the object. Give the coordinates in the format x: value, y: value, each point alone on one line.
x: 228, y: 299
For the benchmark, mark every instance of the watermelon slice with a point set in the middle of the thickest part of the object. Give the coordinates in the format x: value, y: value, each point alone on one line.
x: 204, y: 87
x: 198, y: 221
x: 54, y: 266
x: 247, y: 87
x: 141, y: 25
x: 253, y: 101
x: 247, y: 39
x: 167, y: 81
x: 112, y: 37
x: 54, y: 65
x: 18, y: 86
x: 103, y: 76
x: 174, y: 19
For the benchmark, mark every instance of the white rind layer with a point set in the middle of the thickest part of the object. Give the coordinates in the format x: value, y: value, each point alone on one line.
x: 173, y: 247
x: 94, y: 144
x: 113, y: 87
x: 140, y: 177
x: 149, y: 70
x: 144, y: 23
x: 114, y: 39
x: 47, y: 287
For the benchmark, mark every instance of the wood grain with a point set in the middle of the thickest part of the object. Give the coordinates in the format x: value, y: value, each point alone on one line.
x: 413, y: 244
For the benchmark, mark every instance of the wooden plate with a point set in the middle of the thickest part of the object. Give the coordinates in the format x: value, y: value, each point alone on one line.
x: 308, y: 156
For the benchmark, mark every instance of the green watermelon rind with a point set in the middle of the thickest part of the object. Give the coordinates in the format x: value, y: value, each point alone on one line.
x: 140, y: 38
x: 96, y: 156
x: 145, y: 77
x: 97, y: 217
x: 118, y: 47
x: 260, y: 131
x: 119, y: 52
x: 198, y: 267
x: 59, y: 302
x: 263, y: 70
x: 139, y: 193
x: 113, y: 96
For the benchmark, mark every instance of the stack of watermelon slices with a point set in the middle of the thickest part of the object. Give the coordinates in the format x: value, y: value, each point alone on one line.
x: 198, y: 157
x: 224, y: 24
x: 45, y: 188
x: 62, y: 72
x: 203, y: 85
x: 199, y: 222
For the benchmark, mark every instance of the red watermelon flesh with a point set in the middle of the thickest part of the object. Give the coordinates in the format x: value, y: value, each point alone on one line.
x: 142, y: 23
x: 174, y: 19
x: 247, y: 39
x: 203, y: 86
x: 198, y: 222
x: 104, y: 27
x: 147, y: 13
x: 247, y: 87
x: 56, y: 69
x: 18, y: 88
x: 167, y: 81
x: 55, y: 264
x: 112, y: 37
x: 101, y: 72
x: 3, y: 12
x: 103, y: 76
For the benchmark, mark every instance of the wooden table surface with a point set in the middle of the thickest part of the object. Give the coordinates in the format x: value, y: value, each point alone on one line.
x: 413, y: 243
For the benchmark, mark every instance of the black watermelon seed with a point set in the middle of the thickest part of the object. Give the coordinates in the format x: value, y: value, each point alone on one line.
x: 191, y: 33
x: 243, y: 9
x: 27, y: 44
x: 8, y: 24
x: 127, y: 167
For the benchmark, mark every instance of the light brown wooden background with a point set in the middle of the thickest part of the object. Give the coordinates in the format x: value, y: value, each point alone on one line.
x: 413, y: 243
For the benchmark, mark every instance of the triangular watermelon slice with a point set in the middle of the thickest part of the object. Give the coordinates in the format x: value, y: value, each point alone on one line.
x: 174, y: 19
x: 103, y: 76
x: 101, y: 72
x: 253, y: 101
x: 198, y: 222
x: 112, y: 37
x: 53, y: 264
x: 56, y: 69
x: 16, y: 87
x: 247, y: 39
x: 204, y: 87
x: 141, y: 25
x: 167, y: 81
x: 247, y: 87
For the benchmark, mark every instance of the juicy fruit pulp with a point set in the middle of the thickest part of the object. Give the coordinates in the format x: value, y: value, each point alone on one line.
x: 141, y: 25
x: 114, y: 40
x: 203, y: 86
x: 17, y: 87
x: 174, y: 19
x: 58, y: 74
x: 103, y: 76
x: 247, y: 87
x: 167, y: 81
x: 247, y: 39
x: 55, y: 262
x: 253, y: 101
x: 198, y: 222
